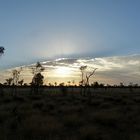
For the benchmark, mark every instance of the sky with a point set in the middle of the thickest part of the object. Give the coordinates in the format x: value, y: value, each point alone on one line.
x: 111, y: 70
x: 45, y: 30
x: 33, y: 30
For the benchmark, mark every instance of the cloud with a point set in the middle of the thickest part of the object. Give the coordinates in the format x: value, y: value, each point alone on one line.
x: 111, y: 70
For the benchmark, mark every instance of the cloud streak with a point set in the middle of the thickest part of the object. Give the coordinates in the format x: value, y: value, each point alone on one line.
x: 111, y: 70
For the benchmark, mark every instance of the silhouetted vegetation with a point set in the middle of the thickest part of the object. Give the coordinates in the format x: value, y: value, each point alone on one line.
x: 1, y: 50
x: 59, y: 112
x: 9, y: 81
x: 15, y: 76
x: 37, y: 79
x: 85, y: 77
x: 82, y: 69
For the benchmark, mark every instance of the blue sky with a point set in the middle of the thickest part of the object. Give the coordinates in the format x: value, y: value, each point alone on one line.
x: 33, y: 30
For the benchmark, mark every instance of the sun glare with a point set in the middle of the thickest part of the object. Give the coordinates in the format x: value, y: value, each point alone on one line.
x: 63, y: 71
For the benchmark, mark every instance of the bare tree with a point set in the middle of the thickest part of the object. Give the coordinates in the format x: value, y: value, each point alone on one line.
x: 15, y: 79
x: 88, y: 76
x: 16, y: 76
x: 82, y: 69
x: 85, y: 77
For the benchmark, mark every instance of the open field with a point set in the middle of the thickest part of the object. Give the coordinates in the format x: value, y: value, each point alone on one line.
x: 108, y: 114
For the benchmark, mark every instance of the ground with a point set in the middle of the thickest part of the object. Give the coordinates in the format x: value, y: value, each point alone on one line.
x: 109, y: 114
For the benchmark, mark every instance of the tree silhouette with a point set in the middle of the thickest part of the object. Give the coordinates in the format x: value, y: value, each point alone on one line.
x: 55, y: 84
x: 37, y: 76
x: 1, y: 50
x: 88, y: 76
x: 15, y: 80
x: 85, y: 77
x: 38, y: 68
x: 9, y: 81
x: 21, y: 82
x: 69, y: 83
x: 15, y: 75
x: 82, y: 69
x: 37, y: 79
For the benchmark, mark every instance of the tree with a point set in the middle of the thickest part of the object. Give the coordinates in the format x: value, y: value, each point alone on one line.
x: 73, y: 82
x: 82, y: 69
x: 1, y: 50
x: 69, y: 83
x: 37, y: 76
x: 86, y: 75
x: 38, y: 68
x: 89, y: 75
x: 15, y: 79
x: 15, y: 75
x: 9, y: 81
x: 95, y: 84
x: 21, y: 82
x: 121, y: 84
x: 62, y: 84
x: 55, y: 84
x: 37, y: 79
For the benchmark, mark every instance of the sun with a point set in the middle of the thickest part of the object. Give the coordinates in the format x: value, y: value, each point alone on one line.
x: 63, y: 71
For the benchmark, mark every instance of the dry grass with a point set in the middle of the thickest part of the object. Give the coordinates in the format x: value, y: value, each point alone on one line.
x: 103, y: 116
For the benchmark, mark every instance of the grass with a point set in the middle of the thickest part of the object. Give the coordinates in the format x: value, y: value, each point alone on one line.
x: 104, y: 116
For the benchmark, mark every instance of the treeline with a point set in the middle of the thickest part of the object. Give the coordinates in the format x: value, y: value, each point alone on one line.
x: 94, y: 85
x: 38, y: 79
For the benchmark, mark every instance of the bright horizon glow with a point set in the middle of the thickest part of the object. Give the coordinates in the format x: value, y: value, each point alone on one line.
x: 63, y: 72
x: 111, y: 70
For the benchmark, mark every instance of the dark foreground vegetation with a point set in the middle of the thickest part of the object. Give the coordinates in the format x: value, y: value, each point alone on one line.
x: 55, y: 113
